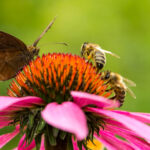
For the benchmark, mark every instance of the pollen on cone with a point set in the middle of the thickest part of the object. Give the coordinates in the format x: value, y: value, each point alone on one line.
x: 58, y: 74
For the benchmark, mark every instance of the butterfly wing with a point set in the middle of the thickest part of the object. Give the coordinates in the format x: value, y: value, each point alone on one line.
x: 13, y: 54
x: 10, y: 43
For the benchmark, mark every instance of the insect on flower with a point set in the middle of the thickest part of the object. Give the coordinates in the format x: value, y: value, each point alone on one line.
x: 118, y: 85
x: 60, y: 102
x: 14, y: 54
x: 95, y: 53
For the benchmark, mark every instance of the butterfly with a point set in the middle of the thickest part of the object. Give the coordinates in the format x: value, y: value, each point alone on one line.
x: 14, y: 54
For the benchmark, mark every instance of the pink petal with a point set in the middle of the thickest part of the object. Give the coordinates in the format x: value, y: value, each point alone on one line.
x: 139, y: 116
x: 129, y: 136
x: 22, y: 144
x: 138, y: 127
x: 42, y: 147
x: 4, y: 123
x: 106, y: 143
x: 114, y: 123
x: 75, y: 145
x: 4, y: 139
x: 84, y: 99
x: 119, y: 129
x: 148, y: 114
x: 68, y: 117
x: 113, y: 143
x: 6, y: 102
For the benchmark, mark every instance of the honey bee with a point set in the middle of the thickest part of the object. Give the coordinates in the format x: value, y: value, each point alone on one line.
x: 95, y: 53
x: 117, y: 83
x: 14, y: 54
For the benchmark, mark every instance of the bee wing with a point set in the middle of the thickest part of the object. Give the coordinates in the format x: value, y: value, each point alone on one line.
x: 131, y: 92
x: 108, y: 52
x: 131, y: 83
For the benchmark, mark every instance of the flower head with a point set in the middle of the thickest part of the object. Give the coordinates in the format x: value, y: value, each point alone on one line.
x: 55, y: 75
x: 60, y: 99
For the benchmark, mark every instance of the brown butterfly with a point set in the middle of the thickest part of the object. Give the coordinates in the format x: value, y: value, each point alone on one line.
x: 14, y: 54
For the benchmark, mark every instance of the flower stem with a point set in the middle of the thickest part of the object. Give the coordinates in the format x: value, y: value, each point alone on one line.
x: 61, y: 145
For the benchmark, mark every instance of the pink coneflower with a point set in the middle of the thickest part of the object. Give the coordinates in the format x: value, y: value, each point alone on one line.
x: 59, y: 102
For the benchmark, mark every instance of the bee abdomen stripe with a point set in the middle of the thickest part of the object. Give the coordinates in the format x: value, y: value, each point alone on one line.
x: 100, y: 56
x: 100, y: 61
x: 99, y: 53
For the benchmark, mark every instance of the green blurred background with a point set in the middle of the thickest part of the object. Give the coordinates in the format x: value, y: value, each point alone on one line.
x: 122, y: 26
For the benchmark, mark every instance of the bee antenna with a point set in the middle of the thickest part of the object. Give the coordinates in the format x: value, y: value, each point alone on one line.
x: 47, y: 28
x: 85, y: 42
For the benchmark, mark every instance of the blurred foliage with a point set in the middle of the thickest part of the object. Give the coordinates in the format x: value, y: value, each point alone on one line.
x: 120, y: 26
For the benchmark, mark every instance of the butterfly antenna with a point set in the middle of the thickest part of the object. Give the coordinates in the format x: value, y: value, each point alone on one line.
x: 47, y: 28
x: 62, y: 43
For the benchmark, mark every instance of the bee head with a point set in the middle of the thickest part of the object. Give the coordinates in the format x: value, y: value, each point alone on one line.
x: 83, y: 48
x: 105, y: 75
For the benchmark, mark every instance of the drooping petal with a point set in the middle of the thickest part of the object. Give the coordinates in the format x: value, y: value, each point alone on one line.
x: 139, y: 116
x: 114, y: 123
x: 75, y: 145
x: 83, y: 99
x: 66, y: 116
x: 138, y: 127
x: 107, y: 144
x: 42, y: 147
x: 4, y: 123
x: 23, y: 145
x: 113, y: 143
x: 4, y: 139
x: 8, y: 102
x: 118, y: 128
x: 130, y: 136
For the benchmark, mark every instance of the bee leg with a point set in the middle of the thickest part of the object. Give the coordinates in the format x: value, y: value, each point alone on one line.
x: 120, y: 100
x: 114, y: 97
x: 86, y: 61
x: 97, y: 70
x: 90, y: 55
x: 109, y: 90
x: 106, y: 83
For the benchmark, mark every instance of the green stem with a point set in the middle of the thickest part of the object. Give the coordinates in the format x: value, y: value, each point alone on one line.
x: 61, y: 145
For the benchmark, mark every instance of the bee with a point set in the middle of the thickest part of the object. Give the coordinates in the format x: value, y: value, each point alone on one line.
x: 118, y: 83
x: 95, y: 53
x: 14, y: 54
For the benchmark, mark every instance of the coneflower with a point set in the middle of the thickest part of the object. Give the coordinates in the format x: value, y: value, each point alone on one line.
x: 59, y: 102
